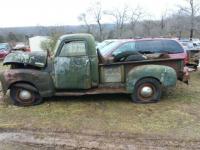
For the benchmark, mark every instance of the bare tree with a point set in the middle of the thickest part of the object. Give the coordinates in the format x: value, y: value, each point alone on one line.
x: 83, y: 17
x: 192, y: 10
x: 120, y: 16
x: 178, y: 24
x: 148, y: 26
x: 129, y: 22
x: 97, y: 12
x: 135, y: 16
x: 163, y: 23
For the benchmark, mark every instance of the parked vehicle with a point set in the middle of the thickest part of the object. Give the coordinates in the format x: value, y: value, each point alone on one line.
x: 77, y: 68
x: 196, y: 42
x: 145, y: 47
x: 193, y: 51
x: 187, y: 45
x: 35, y: 42
x: 5, y: 49
x: 21, y: 47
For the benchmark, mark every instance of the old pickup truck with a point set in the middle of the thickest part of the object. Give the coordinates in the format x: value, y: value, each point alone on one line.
x: 76, y: 69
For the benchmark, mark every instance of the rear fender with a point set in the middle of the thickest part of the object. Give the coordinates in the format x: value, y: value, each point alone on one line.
x: 165, y: 75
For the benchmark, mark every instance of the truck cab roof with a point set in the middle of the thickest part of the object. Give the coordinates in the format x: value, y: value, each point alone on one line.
x: 90, y: 41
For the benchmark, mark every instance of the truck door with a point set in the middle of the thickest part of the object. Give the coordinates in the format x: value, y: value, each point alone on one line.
x: 72, y: 66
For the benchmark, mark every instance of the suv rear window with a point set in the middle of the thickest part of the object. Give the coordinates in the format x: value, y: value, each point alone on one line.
x: 159, y: 46
x: 172, y: 46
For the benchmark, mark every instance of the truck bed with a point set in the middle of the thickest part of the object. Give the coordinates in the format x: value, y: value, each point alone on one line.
x: 176, y: 64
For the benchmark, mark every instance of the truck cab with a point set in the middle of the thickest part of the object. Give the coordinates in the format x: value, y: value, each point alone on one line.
x: 75, y: 63
x: 78, y: 68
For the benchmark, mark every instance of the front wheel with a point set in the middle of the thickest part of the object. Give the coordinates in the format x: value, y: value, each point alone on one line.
x: 24, y: 97
x: 147, y: 90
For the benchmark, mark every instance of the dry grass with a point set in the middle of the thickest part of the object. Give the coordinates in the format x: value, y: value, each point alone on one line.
x: 177, y: 114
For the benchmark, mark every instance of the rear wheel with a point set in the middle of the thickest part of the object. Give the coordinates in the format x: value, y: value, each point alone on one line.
x: 24, y: 97
x: 147, y: 90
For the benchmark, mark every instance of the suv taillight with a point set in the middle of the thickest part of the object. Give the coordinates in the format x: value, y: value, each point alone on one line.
x: 187, y: 58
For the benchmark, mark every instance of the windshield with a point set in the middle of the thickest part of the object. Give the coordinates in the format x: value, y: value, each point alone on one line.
x: 3, y: 46
x: 105, y: 50
x: 103, y: 44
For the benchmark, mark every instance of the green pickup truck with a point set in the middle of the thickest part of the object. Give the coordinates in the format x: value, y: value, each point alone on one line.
x: 76, y: 69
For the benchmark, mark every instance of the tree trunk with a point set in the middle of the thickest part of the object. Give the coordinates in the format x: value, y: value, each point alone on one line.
x: 192, y: 20
x: 100, y: 31
x: 191, y: 34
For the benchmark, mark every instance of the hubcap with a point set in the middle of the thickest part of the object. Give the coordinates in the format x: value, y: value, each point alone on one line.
x: 25, y: 95
x: 146, y: 91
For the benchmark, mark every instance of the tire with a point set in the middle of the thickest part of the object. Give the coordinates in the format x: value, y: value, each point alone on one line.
x: 16, y: 96
x: 147, y: 90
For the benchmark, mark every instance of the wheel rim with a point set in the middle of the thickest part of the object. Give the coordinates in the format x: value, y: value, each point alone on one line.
x: 25, y: 96
x: 146, y: 92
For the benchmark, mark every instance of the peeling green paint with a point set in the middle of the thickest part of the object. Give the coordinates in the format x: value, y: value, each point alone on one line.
x: 72, y: 73
x: 40, y: 79
x: 76, y: 72
x: 37, y: 59
x: 166, y: 75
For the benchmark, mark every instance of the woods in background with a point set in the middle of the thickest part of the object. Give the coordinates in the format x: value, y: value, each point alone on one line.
x: 124, y: 22
x: 135, y: 22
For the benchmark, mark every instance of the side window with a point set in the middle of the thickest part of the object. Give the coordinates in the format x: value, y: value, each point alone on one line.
x: 150, y: 45
x: 130, y: 46
x: 172, y: 46
x: 74, y: 48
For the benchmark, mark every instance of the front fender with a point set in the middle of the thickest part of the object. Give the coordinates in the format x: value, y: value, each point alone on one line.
x: 40, y: 79
x: 166, y: 75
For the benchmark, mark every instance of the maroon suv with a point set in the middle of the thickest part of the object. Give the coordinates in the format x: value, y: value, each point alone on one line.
x: 145, y: 46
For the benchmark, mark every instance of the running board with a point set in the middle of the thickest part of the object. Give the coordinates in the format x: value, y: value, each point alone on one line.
x: 93, y: 92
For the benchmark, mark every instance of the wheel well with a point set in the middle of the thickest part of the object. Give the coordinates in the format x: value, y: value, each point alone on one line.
x: 148, y: 78
x: 22, y: 82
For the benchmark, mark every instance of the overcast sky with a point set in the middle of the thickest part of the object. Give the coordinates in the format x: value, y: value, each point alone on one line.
x: 65, y: 12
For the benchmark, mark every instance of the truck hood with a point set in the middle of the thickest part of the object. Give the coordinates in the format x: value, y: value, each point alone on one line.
x: 37, y: 59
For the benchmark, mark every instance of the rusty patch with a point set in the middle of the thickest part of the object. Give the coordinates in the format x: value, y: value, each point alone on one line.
x: 40, y: 79
x: 38, y: 59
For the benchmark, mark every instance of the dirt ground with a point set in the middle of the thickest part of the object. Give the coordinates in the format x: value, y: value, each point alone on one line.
x: 105, y: 122
x: 24, y: 140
